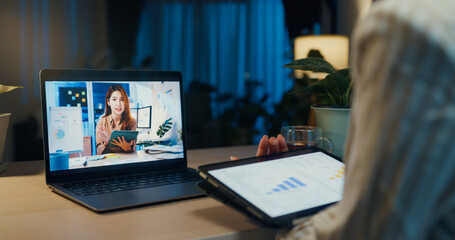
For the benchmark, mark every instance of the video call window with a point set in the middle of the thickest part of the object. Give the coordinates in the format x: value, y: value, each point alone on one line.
x: 94, y: 124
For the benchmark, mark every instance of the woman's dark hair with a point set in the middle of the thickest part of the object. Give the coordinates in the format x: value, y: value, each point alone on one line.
x: 127, y: 120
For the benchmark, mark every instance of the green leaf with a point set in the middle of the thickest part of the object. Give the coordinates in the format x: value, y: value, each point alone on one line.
x: 4, y: 88
x: 164, y: 128
x: 311, y: 64
x: 337, y: 85
x: 317, y: 88
x: 344, y: 72
x: 347, y: 96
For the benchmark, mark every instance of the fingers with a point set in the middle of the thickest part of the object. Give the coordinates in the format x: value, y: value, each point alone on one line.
x: 263, y: 146
x: 233, y: 158
x: 282, y: 147
x: 273, y: 145
x: 118, y: 142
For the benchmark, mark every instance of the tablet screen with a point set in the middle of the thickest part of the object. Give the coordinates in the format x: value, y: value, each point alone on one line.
x: 286, y: 185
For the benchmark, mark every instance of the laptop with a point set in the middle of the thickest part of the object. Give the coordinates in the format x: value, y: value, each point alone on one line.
x: 82, y: 108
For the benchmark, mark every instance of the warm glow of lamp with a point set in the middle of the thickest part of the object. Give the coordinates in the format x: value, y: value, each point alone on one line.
x: 334, y: 48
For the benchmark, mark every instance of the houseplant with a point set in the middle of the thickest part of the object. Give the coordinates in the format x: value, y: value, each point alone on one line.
x: 4, y: 121
x: 163, y: 129
x: 334, y: 113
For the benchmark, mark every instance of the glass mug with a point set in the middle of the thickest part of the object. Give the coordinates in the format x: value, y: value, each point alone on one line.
x: 298, y: 137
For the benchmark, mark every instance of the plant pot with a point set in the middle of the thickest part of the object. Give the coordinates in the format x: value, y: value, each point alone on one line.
x: 335, y: 125
x: 4, y: 121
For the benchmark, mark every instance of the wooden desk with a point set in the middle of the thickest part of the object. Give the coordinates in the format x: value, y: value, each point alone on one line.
x: 29, y: 210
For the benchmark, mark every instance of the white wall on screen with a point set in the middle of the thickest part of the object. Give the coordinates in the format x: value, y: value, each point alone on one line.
x: 165, y: 101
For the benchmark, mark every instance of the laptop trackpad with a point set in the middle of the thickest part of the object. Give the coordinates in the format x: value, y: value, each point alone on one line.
x: 136, y: 197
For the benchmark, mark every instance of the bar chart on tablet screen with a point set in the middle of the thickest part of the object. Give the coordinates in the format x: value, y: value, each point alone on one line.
x: 286, y: 185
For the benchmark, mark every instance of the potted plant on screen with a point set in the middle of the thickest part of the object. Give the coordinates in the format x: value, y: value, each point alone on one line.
x: 334, y: 113
x: 163, y: 129
x: 4, y: 121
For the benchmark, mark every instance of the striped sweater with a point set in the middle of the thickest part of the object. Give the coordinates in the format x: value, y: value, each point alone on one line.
x: 400, y: 155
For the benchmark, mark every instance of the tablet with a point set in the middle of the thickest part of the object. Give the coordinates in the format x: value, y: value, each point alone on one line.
x: 280, y: 189
x: 128, y: 135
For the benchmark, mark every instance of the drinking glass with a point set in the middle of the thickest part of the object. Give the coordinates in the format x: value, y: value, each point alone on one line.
x: 298, y: 137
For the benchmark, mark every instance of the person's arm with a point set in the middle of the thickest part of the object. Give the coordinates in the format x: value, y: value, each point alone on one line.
x: 102, y: 138
x: 134, y: 128
x: 399, y: 168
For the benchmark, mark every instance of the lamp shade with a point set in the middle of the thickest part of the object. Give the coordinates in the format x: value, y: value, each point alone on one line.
x: 333, y: 48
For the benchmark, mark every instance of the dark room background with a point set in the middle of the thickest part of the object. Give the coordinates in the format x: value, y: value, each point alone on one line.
x: 230, y: 52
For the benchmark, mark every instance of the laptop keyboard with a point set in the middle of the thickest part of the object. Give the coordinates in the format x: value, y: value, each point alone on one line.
x: 130, y: 182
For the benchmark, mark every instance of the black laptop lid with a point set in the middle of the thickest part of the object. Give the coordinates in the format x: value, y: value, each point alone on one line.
x: 78, y: 105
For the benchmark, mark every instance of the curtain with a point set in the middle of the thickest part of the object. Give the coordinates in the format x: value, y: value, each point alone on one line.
x: 220, y: 43
x: 58, y: 34
x: 36, y: 34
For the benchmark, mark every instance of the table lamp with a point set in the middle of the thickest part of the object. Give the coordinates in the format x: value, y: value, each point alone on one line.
x: 333, y: 48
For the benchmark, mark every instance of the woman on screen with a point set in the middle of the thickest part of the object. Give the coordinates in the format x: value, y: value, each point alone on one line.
x: 117, y: 116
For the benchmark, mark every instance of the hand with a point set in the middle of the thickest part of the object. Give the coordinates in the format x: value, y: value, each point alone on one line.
x: 123, y: 144
x: 272, y: 145
x: 269, y: 146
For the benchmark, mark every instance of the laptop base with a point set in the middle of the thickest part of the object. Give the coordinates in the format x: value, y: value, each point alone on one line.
x: 132, y: 198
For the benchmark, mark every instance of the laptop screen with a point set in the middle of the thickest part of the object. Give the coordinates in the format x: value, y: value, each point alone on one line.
x: 97, y: 120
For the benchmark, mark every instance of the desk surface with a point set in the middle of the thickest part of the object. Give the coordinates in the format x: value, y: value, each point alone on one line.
x: 29, y: 210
